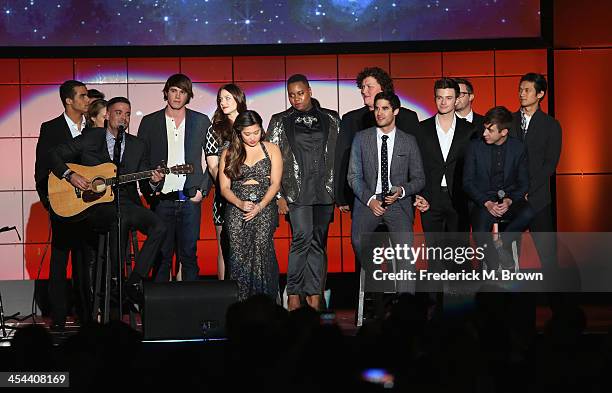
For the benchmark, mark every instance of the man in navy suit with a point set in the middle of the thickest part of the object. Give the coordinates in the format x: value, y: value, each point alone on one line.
x: 176, y: 135
x: 496, y: 178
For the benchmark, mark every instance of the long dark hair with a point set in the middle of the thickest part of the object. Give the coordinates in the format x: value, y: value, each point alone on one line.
x: 221, y: 124
x: 236, y: 153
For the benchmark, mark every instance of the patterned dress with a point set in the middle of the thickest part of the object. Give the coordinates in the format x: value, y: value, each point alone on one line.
x: 213, y: 149
x: 252, y: 258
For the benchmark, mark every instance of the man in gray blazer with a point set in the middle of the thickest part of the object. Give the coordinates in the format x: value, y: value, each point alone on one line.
x: 385, y: 172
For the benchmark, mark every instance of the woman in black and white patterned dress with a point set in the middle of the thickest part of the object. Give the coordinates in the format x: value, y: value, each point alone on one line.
x: 230, y: 102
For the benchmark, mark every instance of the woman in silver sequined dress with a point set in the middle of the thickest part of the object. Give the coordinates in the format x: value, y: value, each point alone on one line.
x: 250, y: 172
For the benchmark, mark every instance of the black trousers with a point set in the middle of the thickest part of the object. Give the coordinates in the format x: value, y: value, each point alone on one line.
x: 68, y: 240
x: 103, y: 218
x: 444, y: 216
x: 542, y: 230
x: 307, y: 267
x: 445, y: 225
x: 517, y: 219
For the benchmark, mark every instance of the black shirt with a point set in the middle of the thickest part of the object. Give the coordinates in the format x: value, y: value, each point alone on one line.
x: 498, y: 154
x: 310, y: 141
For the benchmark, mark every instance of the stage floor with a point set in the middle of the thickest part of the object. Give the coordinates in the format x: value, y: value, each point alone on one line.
x: 599, y: 320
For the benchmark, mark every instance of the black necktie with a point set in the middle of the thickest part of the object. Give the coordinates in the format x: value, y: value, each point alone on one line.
x: 117, y: 152
x: 384, y: 166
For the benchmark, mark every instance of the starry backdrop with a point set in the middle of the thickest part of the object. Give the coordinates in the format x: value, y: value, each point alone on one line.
x: 219, y: 22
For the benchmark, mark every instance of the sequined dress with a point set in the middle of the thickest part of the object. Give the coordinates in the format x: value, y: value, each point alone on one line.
x: 252, y: 258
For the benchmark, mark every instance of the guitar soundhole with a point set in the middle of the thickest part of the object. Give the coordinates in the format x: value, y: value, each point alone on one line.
x: 97, y: 191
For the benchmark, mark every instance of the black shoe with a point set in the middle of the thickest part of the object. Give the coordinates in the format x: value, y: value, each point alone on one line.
x: 133, y: 295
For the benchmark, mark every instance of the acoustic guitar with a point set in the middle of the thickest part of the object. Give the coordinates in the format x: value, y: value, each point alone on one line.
x: 68, y: 201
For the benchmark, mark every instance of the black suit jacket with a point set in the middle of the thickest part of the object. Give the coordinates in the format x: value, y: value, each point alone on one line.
x: 435, y: 165
x: 353, y: 122
x: 477, y: 171
x: 152, y: 131
x: 90, y: 149
x: 477, y: 125
x: 52, y: 133
x: 543, y: 146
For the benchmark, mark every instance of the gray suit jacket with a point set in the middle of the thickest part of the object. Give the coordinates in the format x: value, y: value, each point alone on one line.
x: 406, y: 167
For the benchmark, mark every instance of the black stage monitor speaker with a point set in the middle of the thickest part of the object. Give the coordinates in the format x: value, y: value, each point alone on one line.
x: 186, y: 310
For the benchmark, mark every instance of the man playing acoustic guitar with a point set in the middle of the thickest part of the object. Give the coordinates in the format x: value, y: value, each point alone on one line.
x: 97, y: 146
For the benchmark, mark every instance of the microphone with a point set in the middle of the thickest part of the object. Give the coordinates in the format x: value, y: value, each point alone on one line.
x: 391, y: 191
x: 252, y: 198
x: 501, y: 194
x: 121, y: 128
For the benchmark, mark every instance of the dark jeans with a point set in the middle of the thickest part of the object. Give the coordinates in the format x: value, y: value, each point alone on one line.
x: 307, y: 267
x: 182, y: 219
x: 515, y: 221
x: 67, y: 239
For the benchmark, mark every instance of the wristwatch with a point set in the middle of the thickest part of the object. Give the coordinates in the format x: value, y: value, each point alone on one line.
x: 68, y: 174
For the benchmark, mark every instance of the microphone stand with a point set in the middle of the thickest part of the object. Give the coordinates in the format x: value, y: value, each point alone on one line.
x: 4, y: 318
x: 117, y: 162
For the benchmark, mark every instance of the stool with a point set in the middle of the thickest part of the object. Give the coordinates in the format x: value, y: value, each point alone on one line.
x: 103, y: 264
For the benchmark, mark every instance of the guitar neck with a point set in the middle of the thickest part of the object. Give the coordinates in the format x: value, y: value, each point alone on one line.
x: 132, y: 177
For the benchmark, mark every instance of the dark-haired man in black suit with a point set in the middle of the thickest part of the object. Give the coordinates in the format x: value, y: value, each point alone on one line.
x: 443, y: 204
x: 443, y: 139
x: 541, y: 134
x: 66, y: 237
x: 371, y: 81
x: 97, y: 146
x: 177, y: 135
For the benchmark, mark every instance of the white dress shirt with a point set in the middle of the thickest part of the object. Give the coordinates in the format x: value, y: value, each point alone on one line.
x: 446, y: 140
x: 176, y: 155
x: 390, y: 144
x: 469, y: 117
x: 75, y: 130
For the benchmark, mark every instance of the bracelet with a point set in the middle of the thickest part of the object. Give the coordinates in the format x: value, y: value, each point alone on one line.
x: 68, y: 175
